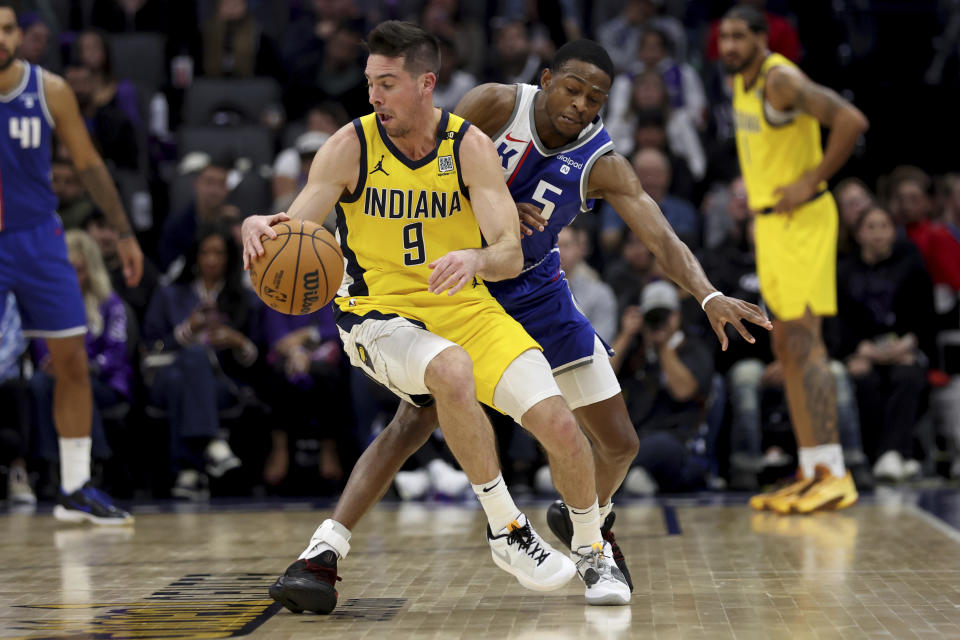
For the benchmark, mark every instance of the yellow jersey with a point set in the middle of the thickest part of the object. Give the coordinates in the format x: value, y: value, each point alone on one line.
x: 774, y: 148
x: 403, y: 215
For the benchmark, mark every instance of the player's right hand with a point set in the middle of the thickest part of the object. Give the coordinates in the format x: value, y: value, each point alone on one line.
x: 530, y: 218
x: 252, y: 231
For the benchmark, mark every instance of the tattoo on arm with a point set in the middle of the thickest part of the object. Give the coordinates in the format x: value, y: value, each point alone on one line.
x: 100, y: 186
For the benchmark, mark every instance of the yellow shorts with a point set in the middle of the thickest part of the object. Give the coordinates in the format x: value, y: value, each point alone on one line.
x: 480, y: 325
x: 797, y: 259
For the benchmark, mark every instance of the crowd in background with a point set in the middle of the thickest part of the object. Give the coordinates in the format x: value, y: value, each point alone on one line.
x: 211, y: 110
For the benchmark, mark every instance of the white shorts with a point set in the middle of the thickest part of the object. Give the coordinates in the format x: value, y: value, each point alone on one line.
x: 395, y: 353
x: 589, y: 382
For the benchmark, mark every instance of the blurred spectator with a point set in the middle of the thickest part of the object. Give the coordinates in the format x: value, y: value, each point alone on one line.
x: 35, y: 46
x: 883, y: 330
x: 725, y: 210
x: 234, y: 45
x: 453, y: 82
x: 198, y: 330
x: 92, y: 51
x: 653, y: 168
x: 514, y: 58
x: 853, y: 200
x: 120, y: 16
x: 108, y: 349
x: 111, y: 129
x: 782, y: 36
x: 15, y: 400
x: 651, y: 133
x: 209, y: 206
x: 304, y: 355
x: 911, y: 204
x: 666, y: 376
x: 594, y: 297
x: 106, y: 237
x: 950, y: 186
x: 73, y: 203
x: 292, y: 166
x: 621, y: 35
x: 683, y: 84
x: 631, y: 270
x: 332, y: 69
x: 465, y: 38
x: 628, y: 105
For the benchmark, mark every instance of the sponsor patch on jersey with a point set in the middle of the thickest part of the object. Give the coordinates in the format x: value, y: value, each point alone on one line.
x: 445, y: 164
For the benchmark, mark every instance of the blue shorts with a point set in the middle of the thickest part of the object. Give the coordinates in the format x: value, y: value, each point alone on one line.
x: 541, y: 301
x: 34, y: 266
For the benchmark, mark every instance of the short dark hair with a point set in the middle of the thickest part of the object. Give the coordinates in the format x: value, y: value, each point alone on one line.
x: 394, y: 39
x: 13, y: 5
x: 585, y: 51
x: 755, y: 19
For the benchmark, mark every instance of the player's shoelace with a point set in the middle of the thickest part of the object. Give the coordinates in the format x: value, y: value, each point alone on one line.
x: 523, y: 538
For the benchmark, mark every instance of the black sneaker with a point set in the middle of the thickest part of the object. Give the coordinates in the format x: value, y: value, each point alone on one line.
x: 91, y: 504
x: 309, y: 585
x: 558, y: 519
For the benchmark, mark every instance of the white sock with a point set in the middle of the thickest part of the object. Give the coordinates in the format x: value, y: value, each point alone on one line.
x: 497, y: 503
x: 74, y: 463
x: 827, y: 455
x: 586, y: 526
x: 329, y: 536
x: 605, y: 510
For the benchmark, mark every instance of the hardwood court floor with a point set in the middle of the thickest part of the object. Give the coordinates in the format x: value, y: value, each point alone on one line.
x: 415, y: 571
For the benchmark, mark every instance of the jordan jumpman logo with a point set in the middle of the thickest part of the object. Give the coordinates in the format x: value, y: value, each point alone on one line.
x: 379, y: 167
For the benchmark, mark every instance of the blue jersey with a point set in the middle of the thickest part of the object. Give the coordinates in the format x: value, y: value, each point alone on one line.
x: 555, y: 180
x: 26, y: 132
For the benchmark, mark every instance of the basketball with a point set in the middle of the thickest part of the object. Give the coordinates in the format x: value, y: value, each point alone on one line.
x: 300, y: 270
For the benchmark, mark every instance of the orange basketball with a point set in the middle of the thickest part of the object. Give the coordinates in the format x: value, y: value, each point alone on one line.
x: 300, y: 270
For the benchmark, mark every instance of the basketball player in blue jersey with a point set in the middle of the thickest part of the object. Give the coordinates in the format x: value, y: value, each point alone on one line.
x: 424, y: 219
x: 33, y: 255
x: 557, y: 158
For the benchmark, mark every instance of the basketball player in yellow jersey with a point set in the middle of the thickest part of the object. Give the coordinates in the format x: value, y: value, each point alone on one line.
x: 778, y: 112
x: 415, y: 187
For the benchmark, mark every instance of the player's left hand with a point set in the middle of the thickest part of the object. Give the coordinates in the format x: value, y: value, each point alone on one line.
x: 530, y: 218
x: 453, y: 271
x: 722, y: 309
x: 132, y: 259
x: 796, y: 193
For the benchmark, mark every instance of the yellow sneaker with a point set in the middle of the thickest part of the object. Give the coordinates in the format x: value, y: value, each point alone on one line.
x: 764, y: 501
x: 827, y: 493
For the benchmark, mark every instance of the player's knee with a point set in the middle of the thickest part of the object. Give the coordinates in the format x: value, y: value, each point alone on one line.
x: 410, y: 428
x: 555, y: 427
x: 449, y: 376
x: 71, y: 365
x: 620, y: 443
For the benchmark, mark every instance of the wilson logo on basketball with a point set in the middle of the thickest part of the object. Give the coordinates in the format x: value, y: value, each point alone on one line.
x: 311, y: 282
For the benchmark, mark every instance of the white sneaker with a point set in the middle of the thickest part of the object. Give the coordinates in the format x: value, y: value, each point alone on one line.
x: 447, y: 480
x: 543, y: 481
x: 18, y: 487
x: 639, y: 483
x: 521, y: 552
x: 604, y: 582
x: 911, y: 469
x: 220, y: 458
x: 191, y: 485
x: 412, y: 485
x: 889, y: 467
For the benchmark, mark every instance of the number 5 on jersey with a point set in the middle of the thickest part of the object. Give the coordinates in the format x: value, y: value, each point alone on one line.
x: 27, y: 131
x: 538, y: 196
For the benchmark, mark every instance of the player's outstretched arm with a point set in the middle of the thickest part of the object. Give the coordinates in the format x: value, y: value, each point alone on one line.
x: 92, y: 171
x: 613, y: 179
x: 496, y: 214
x: 335, y: 169
x: 787, y: 89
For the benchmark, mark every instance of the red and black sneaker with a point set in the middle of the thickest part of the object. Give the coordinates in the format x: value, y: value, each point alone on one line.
x: 558, y: 519
x: 309, y: 585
